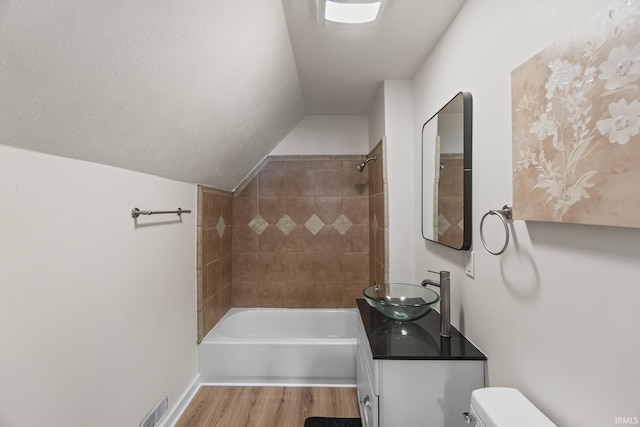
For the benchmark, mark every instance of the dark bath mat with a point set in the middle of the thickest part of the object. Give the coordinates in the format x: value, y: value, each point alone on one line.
x: 332, y: 422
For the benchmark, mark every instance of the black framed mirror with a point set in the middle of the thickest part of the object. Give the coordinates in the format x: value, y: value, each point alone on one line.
x: 446, y: 174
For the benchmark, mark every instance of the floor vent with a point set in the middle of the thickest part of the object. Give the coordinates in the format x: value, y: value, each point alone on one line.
x: 156, y: 413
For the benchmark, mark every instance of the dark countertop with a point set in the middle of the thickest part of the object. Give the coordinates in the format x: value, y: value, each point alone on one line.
x: 416, y: 340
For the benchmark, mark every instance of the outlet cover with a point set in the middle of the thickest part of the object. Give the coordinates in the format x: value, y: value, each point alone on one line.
x: 470, y: 269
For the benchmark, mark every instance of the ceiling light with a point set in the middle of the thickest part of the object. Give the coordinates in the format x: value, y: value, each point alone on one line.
x: 351, y: 12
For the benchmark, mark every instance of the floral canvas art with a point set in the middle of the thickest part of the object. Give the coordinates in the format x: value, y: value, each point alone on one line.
x: 576, y: 125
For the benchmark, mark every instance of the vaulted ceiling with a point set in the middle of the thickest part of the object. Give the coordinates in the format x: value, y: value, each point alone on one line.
x: 196, y: 90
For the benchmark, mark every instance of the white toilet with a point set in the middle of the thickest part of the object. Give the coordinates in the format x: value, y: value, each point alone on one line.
x: 504, y: 407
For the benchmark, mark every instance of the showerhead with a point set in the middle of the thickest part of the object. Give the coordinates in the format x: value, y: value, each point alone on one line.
x: 361, y: 166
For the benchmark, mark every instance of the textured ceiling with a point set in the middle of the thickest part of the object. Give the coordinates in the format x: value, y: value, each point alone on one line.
x: 341, y: 67
x: 196, y: 90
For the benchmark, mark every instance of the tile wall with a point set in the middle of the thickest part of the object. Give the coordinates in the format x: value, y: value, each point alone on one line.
x: 377, y: 217
x: 301, y: 234
x: 450, y: 200
x: 214, y: 257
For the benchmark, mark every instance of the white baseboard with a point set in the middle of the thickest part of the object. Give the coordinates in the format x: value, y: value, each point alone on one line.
x: 176, y: 412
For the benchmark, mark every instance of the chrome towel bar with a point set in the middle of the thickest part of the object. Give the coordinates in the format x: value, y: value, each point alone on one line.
x: 135, y: 212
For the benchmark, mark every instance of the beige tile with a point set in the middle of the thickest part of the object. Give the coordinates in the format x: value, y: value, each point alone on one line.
x: 329, y: 164
x: 356, y: 209
x: 250, y: 190
x: 210, y: 209
x: 211, y: 280
x: 355, y: 183
x: 226, y: 242
x: 210, y: 245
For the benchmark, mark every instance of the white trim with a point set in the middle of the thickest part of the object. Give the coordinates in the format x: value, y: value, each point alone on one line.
x: 176, y: 412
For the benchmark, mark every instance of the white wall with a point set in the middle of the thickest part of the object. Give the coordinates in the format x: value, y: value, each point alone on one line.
x: 326, y: 135
x: 97, y: 317
x: 376, y: 119
x: 557, y: 313
x: 398, y: 119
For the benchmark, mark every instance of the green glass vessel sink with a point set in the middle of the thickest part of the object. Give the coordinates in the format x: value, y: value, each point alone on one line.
x: 401, y: 302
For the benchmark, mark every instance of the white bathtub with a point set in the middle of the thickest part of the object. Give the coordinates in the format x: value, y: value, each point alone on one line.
x: 281, y: 346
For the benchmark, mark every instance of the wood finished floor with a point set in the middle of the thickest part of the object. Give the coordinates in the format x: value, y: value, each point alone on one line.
x: 229, y: 406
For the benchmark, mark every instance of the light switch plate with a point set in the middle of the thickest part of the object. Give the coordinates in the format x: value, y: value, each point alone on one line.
x: 470, y: 269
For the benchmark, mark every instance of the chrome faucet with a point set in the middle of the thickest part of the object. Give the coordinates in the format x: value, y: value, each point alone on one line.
x: 445, y: 300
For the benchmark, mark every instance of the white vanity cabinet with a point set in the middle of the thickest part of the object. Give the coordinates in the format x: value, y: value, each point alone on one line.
x: 408, y: 376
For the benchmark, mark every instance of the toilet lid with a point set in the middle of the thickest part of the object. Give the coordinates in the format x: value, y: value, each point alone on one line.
x: 506, y: 407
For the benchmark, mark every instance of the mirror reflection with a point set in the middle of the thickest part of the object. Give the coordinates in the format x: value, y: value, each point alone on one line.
x: 446, y: 174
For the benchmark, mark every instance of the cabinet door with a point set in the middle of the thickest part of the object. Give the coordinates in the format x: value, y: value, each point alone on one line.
x: 366, y: 396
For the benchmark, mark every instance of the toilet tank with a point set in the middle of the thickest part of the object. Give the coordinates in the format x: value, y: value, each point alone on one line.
x: 504, y: 407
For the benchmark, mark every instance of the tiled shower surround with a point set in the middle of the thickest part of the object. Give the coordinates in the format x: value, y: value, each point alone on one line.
x: 451, y: 200
x: 305, y: 231
x: 214, y: 257
x: 301, y: 234
x: 377, y: 217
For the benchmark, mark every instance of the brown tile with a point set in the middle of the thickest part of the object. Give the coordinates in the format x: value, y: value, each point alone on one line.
x: 211, y: 313
x: 273, y: 240
x: 328, y: 267
x: 300, y: 182
x: 210, y: 209
x: 328, y: 209
x: 300, y: 209
x: 210, y: 245
x: 355, y: 267
x: 225, y: 299
x: 328, y: 294
x: 452, y: 177
x: 272, y: 294
x: 356, y: 209
x: 244, y: 240
x: 271, y: 208
x: 250, y: 190
x: 273, y: 267
x: 452, y: 208
x: 304, y: 163
x: 225, y: 270
x: 200, y: 321
x: 356, y: 239
x: 329, y: 164
x: 379, y: 245
x: 225, y: 209
x: 245, y: 267
x: 378, y: 209
x: 226, y: 243
x: 328, y: 182
x: 199, y: 288
x: 328, y: 240
x: 351, y: 291
x: 271, y: 180
x: 244, y: 210
x: 355, y: 183
x: 301, y: 294
x: 244, y: 294
x: 300, y: 240
x: 211, y: 280
x: 301, y: 267
x: 452, y: 237
x: 378, y: 176
x: 380, y: 275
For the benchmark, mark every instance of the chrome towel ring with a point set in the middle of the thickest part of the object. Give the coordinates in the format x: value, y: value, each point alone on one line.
x: 504, y: 214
